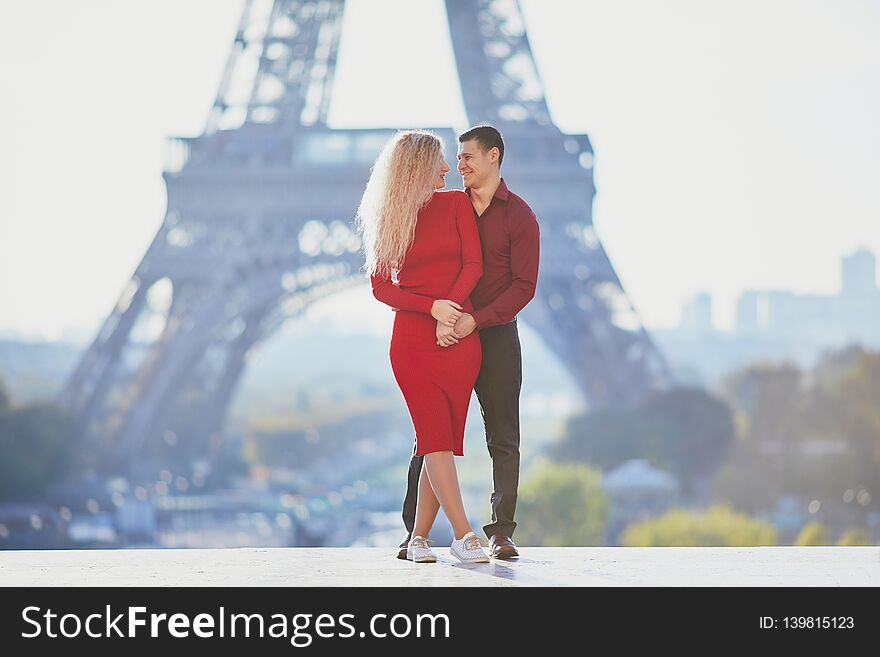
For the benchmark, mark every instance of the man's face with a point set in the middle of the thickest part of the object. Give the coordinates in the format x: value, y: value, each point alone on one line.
x: 474, y: 165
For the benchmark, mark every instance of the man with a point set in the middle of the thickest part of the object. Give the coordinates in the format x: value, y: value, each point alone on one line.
x: 510, y: 240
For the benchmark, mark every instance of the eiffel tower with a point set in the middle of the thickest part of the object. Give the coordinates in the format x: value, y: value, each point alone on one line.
x: 259, y: 225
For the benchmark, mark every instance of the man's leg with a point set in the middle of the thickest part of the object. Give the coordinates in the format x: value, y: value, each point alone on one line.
x: 498, y: 387
x: 410, y: 501
x: 412, y: 491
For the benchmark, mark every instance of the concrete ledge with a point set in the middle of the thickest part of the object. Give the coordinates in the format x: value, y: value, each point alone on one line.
x: 588, y: 566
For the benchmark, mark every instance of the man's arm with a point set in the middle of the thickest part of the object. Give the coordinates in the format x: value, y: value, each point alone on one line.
x: 525, y: 251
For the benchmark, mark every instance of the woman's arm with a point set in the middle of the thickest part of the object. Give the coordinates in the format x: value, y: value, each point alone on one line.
x: 471, y: 251
x: 387, y: 292
x: 443, y: 310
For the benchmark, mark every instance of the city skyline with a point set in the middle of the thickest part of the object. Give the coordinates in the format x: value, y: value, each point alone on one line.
x: 858, y: 287
x: 771, y: 144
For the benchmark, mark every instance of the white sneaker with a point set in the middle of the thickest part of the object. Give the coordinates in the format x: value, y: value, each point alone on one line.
x: 417, y: 550
x: 468, y: 549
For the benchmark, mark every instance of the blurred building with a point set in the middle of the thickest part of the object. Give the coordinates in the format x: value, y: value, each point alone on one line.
x: 851, y: 315
x: 696, y: 314
x: 776, y: 325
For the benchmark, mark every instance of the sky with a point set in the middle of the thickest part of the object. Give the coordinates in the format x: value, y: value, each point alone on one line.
x: 737, y: 143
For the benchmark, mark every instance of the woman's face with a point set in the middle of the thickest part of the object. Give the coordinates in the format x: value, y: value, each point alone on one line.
x: 440, y: 182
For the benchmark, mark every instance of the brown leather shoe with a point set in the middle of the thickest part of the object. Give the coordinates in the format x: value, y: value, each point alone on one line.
x: 502, y: 547
x: 401, y: 554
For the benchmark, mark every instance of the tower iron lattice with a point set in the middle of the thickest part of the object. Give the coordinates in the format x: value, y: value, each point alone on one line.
x: 259, y: 224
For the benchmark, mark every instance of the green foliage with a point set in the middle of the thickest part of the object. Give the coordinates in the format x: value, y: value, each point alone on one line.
x: 716, y: 526
x: 813, y: 533
x: 607, y: 438
x: 37, y: 445
x: 809, y: 434
x: 5, y: 402
x: 685, y: 431
x: 857, y: 536
x: 561, y: 505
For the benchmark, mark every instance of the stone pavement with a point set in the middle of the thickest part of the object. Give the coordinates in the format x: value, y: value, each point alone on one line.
x: 583, y: 566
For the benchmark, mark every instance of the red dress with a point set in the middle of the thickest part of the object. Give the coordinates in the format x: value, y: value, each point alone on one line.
x: 445, y: 261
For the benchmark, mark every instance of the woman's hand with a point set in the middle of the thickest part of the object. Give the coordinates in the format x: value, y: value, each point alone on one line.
x: 446, y: 312
x: 446, y: 335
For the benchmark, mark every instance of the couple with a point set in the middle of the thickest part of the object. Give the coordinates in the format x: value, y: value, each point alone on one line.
x: 466, y: 264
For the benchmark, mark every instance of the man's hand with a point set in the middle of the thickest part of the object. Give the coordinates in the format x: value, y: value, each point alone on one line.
x: 445, y: 335
x: 465, y: 325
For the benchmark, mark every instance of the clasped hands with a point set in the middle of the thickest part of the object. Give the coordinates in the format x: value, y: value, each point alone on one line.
x: 452, y: 323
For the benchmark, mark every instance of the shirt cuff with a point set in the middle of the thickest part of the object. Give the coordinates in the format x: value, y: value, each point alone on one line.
x: 482, y: 317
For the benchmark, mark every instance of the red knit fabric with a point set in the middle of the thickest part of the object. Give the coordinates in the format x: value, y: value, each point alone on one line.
x: 444, y: 262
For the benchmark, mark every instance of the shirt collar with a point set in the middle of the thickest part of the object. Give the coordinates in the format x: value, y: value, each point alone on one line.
x: 501, y: 193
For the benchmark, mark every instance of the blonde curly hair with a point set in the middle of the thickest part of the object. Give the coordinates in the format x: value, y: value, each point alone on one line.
x: 401, y: 183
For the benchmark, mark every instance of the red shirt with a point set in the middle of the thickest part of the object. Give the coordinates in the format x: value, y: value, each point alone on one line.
x: 510, y: 240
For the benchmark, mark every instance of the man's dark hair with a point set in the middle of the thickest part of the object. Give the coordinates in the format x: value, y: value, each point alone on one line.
x: 487, y: 137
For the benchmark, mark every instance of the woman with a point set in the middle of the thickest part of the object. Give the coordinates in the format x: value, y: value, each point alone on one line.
x: 430, y: 239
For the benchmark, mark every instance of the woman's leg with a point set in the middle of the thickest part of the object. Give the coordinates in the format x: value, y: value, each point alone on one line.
x: 440, y: 468
x: 427, y: 505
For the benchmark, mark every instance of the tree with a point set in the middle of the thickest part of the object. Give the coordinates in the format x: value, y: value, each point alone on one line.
x: 814, y: 435
x: 701, y: 432
x: 606, y: 438
x: 684, y: 430
x: 5, y: 402
x: 716, y: 526
x: 561, y: 505
x: 859, y: 417
x: 813, y: 533
x: 37, y: 445
x: 775, y: 410
x: 856, y: 536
